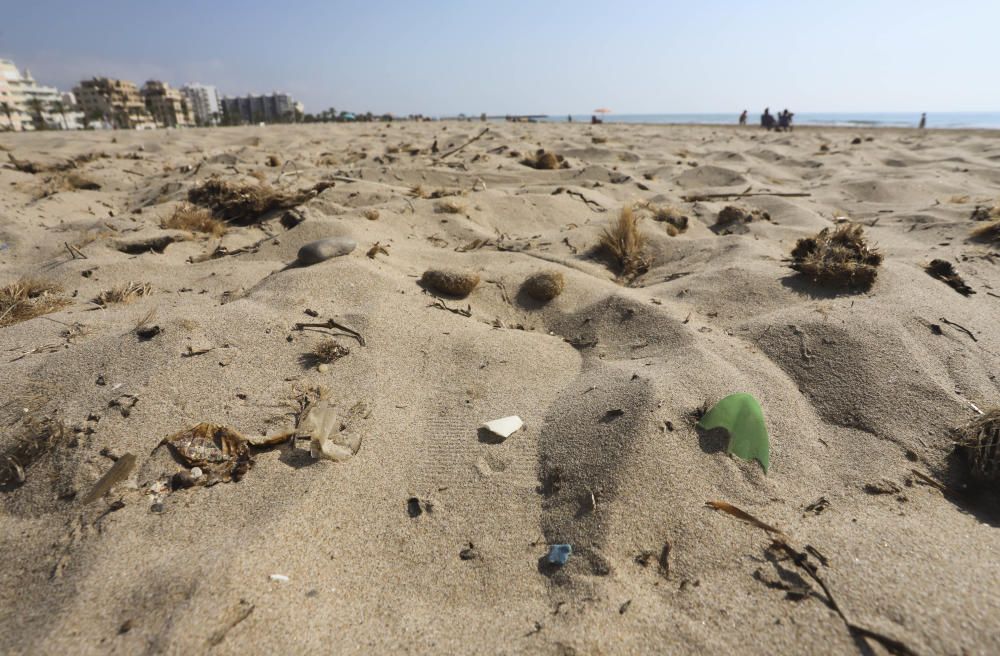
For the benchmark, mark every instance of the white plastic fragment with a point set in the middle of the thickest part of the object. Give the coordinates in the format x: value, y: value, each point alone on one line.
x: 280, y: 578
x: 504, y: 427
x: 327, y: 441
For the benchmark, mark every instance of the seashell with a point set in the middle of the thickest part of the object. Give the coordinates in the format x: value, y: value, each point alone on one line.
x: 323, y: 249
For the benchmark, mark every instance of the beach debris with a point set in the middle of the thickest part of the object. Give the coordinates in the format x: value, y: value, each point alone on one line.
x: 559, y: 554
x: 944, y: 271
x: 245, y: 203
x: 415, y: 507
x: 469, y: 553
x: 781, y: 547
x: 156, y: 244
x: 959, y: 326
x: 324, y: 249
x: 371, y: 214
x: 331, y: 324
x: 592, y: 205
x: 989, y: 232
x: 545, y: 160
x: 27, y: 166
x: 623, y: 242
x: 441, y: 305
x: 272, y: 161
x: 35, y: 438
x: 450, y: 281
x: 501, y: 429
x: 194, y: 219
x: 742, y: 417
x: 979, y: 443
x: 449, y: 206
x: 545, y: 285
x: 675, y: 220
x: 329, y: 351
x: 329, y: 438
x: 840, y: 257
x: 231, y: 617
x: 984, y: 213
x: 279, y: 578
x: 219, y: 451
x: 377, y: 248
x: 733, y: 215
x: 123, y: 293
x: 29, y: 298
x: 118, y: 472
x: 458, y: 148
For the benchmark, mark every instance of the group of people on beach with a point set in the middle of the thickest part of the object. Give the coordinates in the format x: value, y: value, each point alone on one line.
x: 783, y: 122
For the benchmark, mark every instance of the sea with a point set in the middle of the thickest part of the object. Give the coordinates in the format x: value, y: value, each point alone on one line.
x: 952, y: 120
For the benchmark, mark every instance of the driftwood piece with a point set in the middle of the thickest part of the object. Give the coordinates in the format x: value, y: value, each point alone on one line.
x: 455, y: 150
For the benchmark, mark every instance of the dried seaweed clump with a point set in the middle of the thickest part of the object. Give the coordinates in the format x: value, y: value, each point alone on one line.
x: 36, y: 438
x: 194, y: 219
x: 449, y: 206
x: 545, y: 285
x: 542, y: 159
x: 985, y: 213
x: 979, y: 442
x: 243, y: 204
x: 944, y: 271
x: 676, y: 220
x: 622, y: 241
x: 840, y: 257
x: 123, y: 293
x: 989, y: 232
x: 731, y: 214
x: 450, y: 281
x: 329, y: 350
x: 371, y: 214
x: 29, y: 298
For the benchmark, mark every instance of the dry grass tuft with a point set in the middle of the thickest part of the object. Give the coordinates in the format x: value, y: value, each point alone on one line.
x: 29, y: 298
x: 841, y: 257
x: 985, y: 213
x: 988, y: 232
x: 194, y: 219
x: 622, y: 241
x: 244, y: 204
x: 545, y: 160
x: 371, y: 214
x: 449, y: 207
x: 944, y: 271
x: 124, y: 293
x: 979, y: 442
x: 417, y: 191
x: 732, y: 214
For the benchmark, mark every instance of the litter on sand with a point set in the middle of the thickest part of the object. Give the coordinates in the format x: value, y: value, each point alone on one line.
x: 742, y: 417
x: 559, y: 554
x: 504, y: 427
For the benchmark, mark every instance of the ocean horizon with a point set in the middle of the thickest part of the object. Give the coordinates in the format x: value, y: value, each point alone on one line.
x: 939, y: 120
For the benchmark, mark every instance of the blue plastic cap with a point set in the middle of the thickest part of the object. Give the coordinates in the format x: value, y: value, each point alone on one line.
x: 559, y: 554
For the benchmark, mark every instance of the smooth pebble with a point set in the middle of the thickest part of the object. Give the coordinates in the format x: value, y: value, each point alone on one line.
x: 323, y: 249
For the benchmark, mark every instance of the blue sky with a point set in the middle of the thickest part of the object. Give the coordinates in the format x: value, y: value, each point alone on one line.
x: 444, y: 56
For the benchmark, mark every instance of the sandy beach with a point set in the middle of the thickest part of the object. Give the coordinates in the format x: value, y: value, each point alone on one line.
x: 432, y: 538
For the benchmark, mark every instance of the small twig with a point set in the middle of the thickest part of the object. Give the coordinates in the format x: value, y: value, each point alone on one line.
x: 441, y: 305
x: 787, y: 194
x: 592, y: 204
x: 455, y: 150
x: 331, y: 324
x: 74, y: 251
x: 944, y: 489
x: 960, y: 327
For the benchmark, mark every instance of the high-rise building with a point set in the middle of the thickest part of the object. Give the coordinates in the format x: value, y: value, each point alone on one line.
x: 203, y: 100
x: 116, y: 102
x: 24, y: 104
x: 168, y: 107
x: 275, y: 108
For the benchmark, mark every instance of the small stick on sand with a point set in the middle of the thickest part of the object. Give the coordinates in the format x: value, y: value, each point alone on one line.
x: 784, y: 194
x: 118, y: 472
x: 455, y: 150
x: 74, y: 251
x: 962, y: 328
x: 333, y: 324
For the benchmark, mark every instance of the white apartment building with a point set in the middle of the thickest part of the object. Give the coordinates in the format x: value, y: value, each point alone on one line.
x: 23, y: 102
x: 203, y: 99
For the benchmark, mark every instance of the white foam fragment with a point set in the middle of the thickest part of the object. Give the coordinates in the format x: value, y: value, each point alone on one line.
x: 504, y: 427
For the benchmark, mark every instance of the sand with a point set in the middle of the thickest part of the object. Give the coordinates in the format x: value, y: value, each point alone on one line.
x: 858, y: 390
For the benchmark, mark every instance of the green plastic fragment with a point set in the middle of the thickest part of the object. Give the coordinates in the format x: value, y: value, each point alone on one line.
x: 743, y: 419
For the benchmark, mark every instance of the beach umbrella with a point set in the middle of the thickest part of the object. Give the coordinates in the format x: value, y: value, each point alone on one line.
x: 602, y: 110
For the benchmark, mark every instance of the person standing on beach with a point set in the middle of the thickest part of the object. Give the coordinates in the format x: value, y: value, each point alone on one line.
x: 743, y: 117
x: 767, y: 119
x: 923, y: 121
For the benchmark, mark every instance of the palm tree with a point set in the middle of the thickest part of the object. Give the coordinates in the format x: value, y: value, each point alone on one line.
x: 59, y: 107
x: 36, y: 107
x: 8, y: 110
